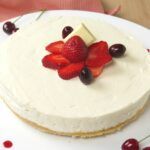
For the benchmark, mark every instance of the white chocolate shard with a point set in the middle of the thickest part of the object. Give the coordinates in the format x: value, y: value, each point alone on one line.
x: 84, y: 33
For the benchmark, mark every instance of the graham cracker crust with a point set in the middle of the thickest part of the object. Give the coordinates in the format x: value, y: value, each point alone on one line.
x: 83, y: 134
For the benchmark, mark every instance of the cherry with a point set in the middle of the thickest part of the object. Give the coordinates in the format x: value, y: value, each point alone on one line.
x: 130, y: 144
x: 7, y: 144
x: 146, y: 148
x: 117, y: 50
x: 66, y: 31
x: 9, y: 27
x: 86, y: 76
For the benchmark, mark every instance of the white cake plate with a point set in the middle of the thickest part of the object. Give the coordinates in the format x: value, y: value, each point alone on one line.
x: 25, y: 137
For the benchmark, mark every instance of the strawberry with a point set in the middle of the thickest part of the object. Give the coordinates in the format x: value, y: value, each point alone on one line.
x: 96, y: 71
x: 54, y: 61
x: 71, y: 70
x: 98, y: 55
x: 75, y: 49
x: 55, y: 47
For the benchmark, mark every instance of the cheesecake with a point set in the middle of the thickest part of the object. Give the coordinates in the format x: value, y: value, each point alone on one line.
x: 68, y: 107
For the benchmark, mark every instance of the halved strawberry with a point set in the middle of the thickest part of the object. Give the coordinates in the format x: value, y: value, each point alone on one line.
x: 71, y: 70
x: 55, y: 47
x: 75, y: 49
x: 96, y: 71
x: 98, y: 55
x: 54, y: 61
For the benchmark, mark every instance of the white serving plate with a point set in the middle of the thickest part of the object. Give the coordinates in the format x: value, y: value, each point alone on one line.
x: 25, y: 137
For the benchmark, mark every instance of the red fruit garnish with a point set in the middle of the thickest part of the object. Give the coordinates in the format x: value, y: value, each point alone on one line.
x: 98, y: 55
x: 75, y: 49
x: 7, y: 144
x: 66, y: 31
x: 9, y: 27
x: 96, y: 71
x: 71, y: 70
x: 86, y: 76
x: 130, y: 144
x: 55, y: 61
x: 55, y: 47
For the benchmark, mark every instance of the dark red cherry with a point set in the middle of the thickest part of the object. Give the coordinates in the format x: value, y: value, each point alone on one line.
x: 66, y: 31
x: 130, y: 144
x: 9, y: 27
x: 7, y: 144
x: 117, y: 50
x: 86, y: 76
x: 146, y: 148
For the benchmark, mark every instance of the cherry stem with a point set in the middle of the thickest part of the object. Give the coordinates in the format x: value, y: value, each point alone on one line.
x: 17, y: 19
x: 144, y: 138
x: 43, y: 11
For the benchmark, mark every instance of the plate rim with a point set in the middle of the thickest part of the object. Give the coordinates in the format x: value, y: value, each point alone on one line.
x: 82, y: 12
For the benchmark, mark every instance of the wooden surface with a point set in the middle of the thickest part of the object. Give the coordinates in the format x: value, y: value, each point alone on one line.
x: 137, y: 11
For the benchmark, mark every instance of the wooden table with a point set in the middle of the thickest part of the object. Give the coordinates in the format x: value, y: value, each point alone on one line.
x: 137, y: 11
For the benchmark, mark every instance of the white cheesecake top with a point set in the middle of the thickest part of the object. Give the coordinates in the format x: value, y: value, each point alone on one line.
x: 35, y: 87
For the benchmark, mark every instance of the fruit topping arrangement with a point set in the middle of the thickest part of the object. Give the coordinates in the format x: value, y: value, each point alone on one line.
x: 79, y: 56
